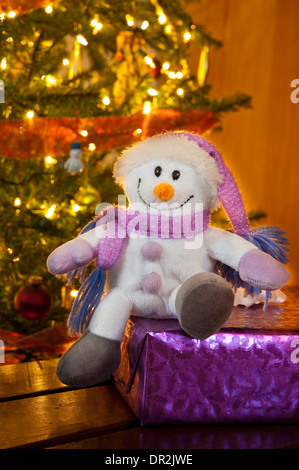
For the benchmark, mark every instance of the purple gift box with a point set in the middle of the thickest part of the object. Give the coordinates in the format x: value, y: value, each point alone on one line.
x: 247, y: 372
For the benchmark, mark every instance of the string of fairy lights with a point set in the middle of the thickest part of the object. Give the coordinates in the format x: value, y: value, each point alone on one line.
x: 81, y: 41
x: 98, y: 26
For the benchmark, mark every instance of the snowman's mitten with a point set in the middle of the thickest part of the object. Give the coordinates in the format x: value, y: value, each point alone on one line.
x: 262, y: 271
x: 69, y: 256
x: 89, y: 361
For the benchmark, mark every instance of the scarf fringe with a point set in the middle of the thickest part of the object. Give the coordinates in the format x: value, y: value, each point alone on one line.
x: 89, y: 295
x: 87, y: 300
x: 270, y: 240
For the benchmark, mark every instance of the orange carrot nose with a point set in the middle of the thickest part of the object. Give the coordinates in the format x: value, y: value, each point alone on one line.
x: 164, y: 191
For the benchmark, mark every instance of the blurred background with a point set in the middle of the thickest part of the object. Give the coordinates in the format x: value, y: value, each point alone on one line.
x: 260, y: 56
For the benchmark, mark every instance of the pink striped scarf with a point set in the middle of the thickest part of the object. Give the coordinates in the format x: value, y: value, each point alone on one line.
x: 122, y: 223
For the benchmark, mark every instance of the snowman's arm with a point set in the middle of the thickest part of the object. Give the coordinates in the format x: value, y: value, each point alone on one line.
x: 75, y: 253
x: 254, y: 266
x: 226, y: 247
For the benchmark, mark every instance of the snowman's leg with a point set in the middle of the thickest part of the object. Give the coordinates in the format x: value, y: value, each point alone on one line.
x: 111, y: 316
x: 202, y: 304
x: 171, y: 300
x: 96, y: 355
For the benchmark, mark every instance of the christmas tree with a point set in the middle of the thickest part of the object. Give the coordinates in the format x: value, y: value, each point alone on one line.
x: 82, y: 80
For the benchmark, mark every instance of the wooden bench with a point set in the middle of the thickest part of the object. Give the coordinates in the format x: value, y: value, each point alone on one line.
x: 37, y: 411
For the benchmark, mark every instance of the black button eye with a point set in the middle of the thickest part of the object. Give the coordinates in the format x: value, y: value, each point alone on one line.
x: 176, y: 174
x: 158, y: 171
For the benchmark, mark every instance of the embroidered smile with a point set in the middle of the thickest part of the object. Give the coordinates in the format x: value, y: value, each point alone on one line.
x: 149, y: 205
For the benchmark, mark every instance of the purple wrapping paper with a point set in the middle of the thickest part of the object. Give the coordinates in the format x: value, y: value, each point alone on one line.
x: 247, y: 372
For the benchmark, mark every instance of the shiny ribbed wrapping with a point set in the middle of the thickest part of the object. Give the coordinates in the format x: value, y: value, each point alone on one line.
x: 241, y: 374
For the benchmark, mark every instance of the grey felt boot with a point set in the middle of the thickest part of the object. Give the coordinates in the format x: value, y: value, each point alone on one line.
x: 89, y: 361
x: 203, y: 304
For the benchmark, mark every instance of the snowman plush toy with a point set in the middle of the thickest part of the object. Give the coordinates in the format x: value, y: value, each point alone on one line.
x: 160, y: 258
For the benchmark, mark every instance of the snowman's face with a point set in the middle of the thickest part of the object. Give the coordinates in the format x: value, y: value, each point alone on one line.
x: 168, y: 184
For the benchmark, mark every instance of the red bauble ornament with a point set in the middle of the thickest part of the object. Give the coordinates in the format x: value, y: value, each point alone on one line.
x: 33, y: 301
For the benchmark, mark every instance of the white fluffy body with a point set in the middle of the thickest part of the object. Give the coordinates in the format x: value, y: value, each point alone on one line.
x: 73, y: 164
x: 199, y: 177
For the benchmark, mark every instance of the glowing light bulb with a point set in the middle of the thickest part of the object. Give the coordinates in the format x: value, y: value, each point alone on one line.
x: 81, y: 40
x: 165, y: 66
x: 144, y: 25
x: 94, y: 22
x: 147, y: 107
x: 76, y: 207
x: 3, y: 63
x: 65, y: 62
x: 179, y: 75
x: 92, y: 147
x: 98, y: 26
x: 11, y: 14
x: 139, y: 131
x: 187, y: 36
x: 168, y: 29
x: 130, y: 20
x: 48, y: 9
x: 106, y: 100
x: 50, y: 80
x: 84, y: 133
x: 30, y: 114
x: 152, y: 92
x: 180, y: 91
x: 49, y: 161
x: 50, y: 212
x: 149, y: 61
x: 17, y: 202
x: 74, y: 293
x: 162, y: 19
x: 171, y: 75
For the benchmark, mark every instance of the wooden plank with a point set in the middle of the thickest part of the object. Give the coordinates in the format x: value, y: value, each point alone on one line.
x: 195, y: 437
x: 41, y: 421
x: 29, y: 378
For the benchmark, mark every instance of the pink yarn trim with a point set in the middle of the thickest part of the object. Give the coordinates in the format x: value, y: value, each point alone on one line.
x: 146, y: 224
x: 228, y: 191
